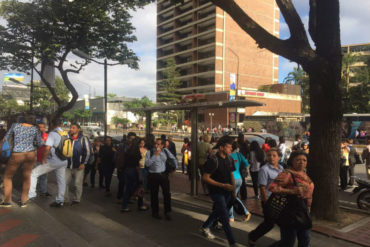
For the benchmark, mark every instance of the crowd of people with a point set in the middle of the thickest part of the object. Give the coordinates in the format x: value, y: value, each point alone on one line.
x: 143, y: 166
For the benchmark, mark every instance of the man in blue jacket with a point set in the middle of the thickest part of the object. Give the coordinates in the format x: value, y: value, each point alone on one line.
x: 76, y: 165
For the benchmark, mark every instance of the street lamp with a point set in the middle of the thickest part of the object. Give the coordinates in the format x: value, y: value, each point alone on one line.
x: 236, y: 89
x: 83, y: 55
x: 211, y: 115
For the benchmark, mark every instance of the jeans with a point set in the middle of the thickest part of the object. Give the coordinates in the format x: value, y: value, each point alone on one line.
x: 221, y: 213
x: 131, y: 184
x: 121, y: 184
x: 262, y: 228
x: 74, y: 184
x: 238, y: 184
x: 60, y: 173
x: 154, y: 181
x: 289, y: 235
x: 254, y: 176
x: 343, y: 174
x: 108, y: 173
x: 43, y: 183
x: 144, y: 177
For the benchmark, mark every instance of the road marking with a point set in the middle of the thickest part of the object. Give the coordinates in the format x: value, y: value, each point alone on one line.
x: 9, y: 224
x: 4, y: 211
x: 21, y: 240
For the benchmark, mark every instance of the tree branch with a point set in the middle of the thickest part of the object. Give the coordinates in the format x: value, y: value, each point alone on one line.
x: 291, y: 49
x: 48, y: 85
x: 312, y: 26
x: 294, y: 21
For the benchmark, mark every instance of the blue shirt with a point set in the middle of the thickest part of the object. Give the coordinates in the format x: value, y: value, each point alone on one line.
x: 267, y: 174
x: 238, y: 157
x: 157, y: 163
x: 25, y: 137
x: 53, y: 142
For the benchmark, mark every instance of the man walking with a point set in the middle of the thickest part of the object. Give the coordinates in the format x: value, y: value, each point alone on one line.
x: 106, y: 160
x: 51, y: 162
x: 218, y: 174
x: 76, y: 164
x: 352, y: 161
x: 156, y: 164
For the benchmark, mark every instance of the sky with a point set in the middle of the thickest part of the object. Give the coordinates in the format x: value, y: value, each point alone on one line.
x: 122, y: 81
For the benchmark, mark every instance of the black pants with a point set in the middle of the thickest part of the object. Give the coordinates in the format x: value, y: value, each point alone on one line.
x: 154, y: 181
x: 101, y: 177
x: 343, y: 174
x: 262, y: 229
x: 351, y: 171
x: 254, y: 176
x: 121, y: 184
x: 243, y: 188
x: 108, y: 173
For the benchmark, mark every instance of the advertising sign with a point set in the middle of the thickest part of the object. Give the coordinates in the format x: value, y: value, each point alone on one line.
x: 17, y: 76
x: 232, y: 86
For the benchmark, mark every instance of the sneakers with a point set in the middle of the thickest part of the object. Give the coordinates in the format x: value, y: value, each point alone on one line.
x: 46, y: 194
x: 247, y: 217
x: 207, y: 233
x: 143, y: 208
x: 23, y: 204
x: 5, y: 205
x: 56, y: 204
x: 125, y: 210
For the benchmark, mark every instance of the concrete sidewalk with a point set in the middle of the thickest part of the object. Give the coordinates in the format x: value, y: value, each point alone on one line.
x: 357, y: 233
x: 97, y: 222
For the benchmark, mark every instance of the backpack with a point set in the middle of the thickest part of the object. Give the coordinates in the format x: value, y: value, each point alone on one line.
x: 64, y: 150
x: 6, y: 147
x: 170, y: 164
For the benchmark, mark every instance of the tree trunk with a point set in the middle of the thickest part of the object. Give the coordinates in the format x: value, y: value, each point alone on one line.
x: 326, y: 118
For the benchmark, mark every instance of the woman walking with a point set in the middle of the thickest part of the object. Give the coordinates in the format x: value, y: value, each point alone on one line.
x: 240, y: 163
x: 25, y: 136
x: 303, y: 188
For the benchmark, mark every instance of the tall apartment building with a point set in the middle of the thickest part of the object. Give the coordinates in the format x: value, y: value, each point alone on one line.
x: 211, y: 50
x: 361, y: 52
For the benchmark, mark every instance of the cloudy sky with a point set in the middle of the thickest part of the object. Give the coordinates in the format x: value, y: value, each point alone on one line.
x: 355, y: 19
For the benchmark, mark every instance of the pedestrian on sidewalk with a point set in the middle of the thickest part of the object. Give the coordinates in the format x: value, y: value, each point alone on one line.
x: 158, y: 177
x: 204, y: 150
x: 257, y: 158
x: 119, y: 159
x: 218, y: 174
x: 143, y: 171
x: 240, y: 164
x: 24, y: 137
x: 106, y: 159
x: 344, y: 165
x: 366, y: 157
x: 284, y: 184
x: 43, y: 179
x: 186, y: 148
x: 352, y: 161
x: 243, y: 146
x: 132, y: 177
x: 94, y: 166
x: 266, y: 175
x: 51, y: 162
x: 76, y: 165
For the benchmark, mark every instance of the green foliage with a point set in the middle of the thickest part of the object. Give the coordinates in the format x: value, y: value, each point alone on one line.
x: 77, y: 115
x: 139, y: 103
x: 49, y: 30
x: 8, y: 106
x: 112, y: 95
x: 118, y: 120
x: 42, y: 98
x: 170, y: 83
x: 256, y: 125
x: 299, y: 77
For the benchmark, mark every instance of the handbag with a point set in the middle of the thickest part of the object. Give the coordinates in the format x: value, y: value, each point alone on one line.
x: 288, y: 210
x: 6, y: 147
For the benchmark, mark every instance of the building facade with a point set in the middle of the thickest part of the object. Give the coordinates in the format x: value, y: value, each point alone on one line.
x: 360, y: 53
x: 212, y: 52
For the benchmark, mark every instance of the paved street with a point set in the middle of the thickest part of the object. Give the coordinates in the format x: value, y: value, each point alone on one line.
x: 98, y: 222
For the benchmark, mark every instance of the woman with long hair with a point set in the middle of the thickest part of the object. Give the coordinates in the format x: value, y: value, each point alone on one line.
x: 144, y: 173
x: 26, y: 135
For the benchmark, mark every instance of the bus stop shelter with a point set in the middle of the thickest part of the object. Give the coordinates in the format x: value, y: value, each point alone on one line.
x: 194, y: 108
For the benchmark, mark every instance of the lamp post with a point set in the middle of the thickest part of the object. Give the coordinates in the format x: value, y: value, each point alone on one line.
x: 83, y: 55
x: 236, y: 89
x: 211, y: 115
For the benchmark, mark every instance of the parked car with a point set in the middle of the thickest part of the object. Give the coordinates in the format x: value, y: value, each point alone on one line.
x: 259, y: 137
x: 92, y: 131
